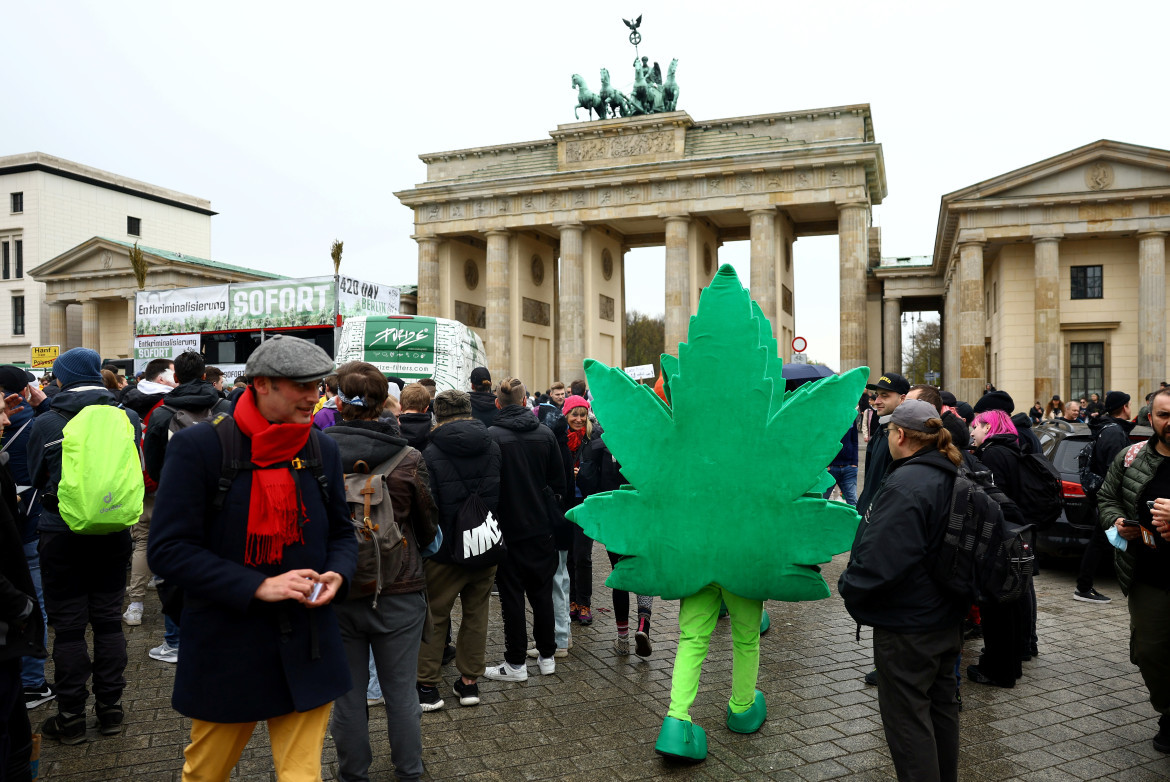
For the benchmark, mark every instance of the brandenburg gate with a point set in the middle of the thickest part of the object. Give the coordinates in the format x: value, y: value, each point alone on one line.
x: 526, y: 242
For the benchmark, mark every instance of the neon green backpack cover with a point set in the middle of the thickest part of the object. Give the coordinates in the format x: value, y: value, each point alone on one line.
x: 101, y: 484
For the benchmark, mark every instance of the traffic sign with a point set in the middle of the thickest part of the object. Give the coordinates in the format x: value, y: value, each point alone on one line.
x: 799, y: 344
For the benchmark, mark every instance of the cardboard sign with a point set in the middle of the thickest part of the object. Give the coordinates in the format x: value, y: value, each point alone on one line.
x: 43, y: 356
x: 641, y: 372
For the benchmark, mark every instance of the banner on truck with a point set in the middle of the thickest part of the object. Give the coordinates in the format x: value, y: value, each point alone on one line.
x: 147, y: 349
x: 358, y: 297
x: 413, y: 348
x: 181, y: 310
x: 279, y: 304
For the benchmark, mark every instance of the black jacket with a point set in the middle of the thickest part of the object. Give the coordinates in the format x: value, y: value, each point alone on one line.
x: 1110, y: 440
x: 530, y: 461
x: 196, y: 396
x: 877, y: 461
x: 562, y: 527
x: 22, y: 627
x: 1001, y: 454
x: 887, y: 583
x: 44, y: 461
x: 1029, y: 442
x: 415, y: 428
x: 461, y: 458
x: 598, y: 471
x: 483, y: 407
x: 244, y: 659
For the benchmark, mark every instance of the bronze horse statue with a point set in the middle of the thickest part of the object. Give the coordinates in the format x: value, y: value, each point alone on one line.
x: 670, y: 87
x: 587, y: 99
x: 615, y: 101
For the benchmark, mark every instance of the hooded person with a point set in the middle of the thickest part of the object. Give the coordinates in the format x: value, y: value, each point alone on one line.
x: 483, y: 401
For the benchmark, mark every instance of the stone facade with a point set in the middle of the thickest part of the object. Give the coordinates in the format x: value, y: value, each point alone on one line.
x: 580, y: 199
x: 64, y: 204
x: 1051, y: 279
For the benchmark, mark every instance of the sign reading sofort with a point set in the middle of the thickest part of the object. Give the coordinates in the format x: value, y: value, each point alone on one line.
x: 275, y: 304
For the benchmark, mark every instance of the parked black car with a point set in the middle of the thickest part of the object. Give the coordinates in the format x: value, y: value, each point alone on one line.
x: 1061, y: 442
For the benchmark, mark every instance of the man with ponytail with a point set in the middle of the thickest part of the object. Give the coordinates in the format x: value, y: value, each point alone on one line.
x: 917, y: 624
x: 251, y: 523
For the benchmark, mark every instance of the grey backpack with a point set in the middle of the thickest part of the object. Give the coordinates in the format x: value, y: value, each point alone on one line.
x: 381, y: 545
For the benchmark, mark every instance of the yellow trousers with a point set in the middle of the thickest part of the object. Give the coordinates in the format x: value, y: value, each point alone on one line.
x: 298, y: 740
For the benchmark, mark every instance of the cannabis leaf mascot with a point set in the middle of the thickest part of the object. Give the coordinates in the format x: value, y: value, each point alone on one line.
x: 740, y: 517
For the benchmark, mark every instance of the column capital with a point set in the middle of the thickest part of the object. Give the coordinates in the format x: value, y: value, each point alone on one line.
x: 971, y: 236
x: 674, y: 218
x: 571, y: 225
x: 1151, y: 234
x: 1044, y: 239
x: 497, y: 232
x: 766, y: 210
x: 852, y: 205
x: 421, y: 239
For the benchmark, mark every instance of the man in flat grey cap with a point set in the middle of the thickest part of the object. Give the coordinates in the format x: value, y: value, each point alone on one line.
x: 251, y: 522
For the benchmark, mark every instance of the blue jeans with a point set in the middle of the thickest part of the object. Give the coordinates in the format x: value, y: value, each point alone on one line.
x: 560, y: 595
x: 373, y: 689
x: 32, y: 670
x: 846, y: 478
x: 171, y: 636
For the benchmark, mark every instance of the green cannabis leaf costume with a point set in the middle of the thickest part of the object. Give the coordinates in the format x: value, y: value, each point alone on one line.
x: 739, y: 517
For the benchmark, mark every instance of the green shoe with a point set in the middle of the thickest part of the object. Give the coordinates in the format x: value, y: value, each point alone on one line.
x: 748, y: 721
x: 681, y: 740
x: 765, y: 622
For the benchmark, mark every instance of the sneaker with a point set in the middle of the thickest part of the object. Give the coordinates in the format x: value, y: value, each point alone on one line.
x: 66, y: 728
x: 154, y: 582
x: 584, y: 615
x: 504, y: 672
x: 495, y: 589
x: 371, y: 702
x: 429, y: 697
x: 574, y: 612
x: 561, y: 651
x: 642, y: 646
x: 165, y: 653
x: 133, y: 615
x: 468, y: 693
x: 1091, y: 595
x: 621, y: 644
x: 109, y: 718
x: 35, y: 696
x: 547, y: 665
x: 871, y: 678
x: 448, y: 654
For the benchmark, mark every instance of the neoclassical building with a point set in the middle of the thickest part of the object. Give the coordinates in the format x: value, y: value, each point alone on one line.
x: 1051, y: 279
x: 526, y: 242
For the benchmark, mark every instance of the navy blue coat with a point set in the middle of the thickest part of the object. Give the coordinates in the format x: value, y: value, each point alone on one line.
x: 238, y: 663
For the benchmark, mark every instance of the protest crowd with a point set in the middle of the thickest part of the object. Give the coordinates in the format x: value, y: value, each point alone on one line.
x: 316, y: 526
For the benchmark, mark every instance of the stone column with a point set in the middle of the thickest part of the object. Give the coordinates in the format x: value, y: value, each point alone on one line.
x: 428, y: 276
x: 498, y: 306
x: 891, y: 336
x: 90, y: 333
x: 571, y: 325
x: 950, y: 336
x: 853, y: 235
x: 972, y: 326
x: 1046, y: 347
x: 678, y: 289
x: 763, y: 263
x: 1151, y: 311
x: 58, y: 332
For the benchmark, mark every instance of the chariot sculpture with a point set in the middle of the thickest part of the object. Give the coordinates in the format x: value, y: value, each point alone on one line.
x: 651, y: 93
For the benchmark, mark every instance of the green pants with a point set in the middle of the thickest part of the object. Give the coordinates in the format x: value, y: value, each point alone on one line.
x: 697, y: 616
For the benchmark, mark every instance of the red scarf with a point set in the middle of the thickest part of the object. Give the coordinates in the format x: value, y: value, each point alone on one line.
x: 576, y: 437
x: 275, y: 509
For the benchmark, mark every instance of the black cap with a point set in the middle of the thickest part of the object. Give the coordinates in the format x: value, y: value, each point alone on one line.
x: 890, y: 381
x: 479, y: 376
x: 948, y: 398
x: 995, y: 400
x: 14, y: 379
x: 965, y: 412
x: 1115, y: 400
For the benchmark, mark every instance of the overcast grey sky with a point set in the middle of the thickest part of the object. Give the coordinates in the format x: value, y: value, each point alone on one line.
x: 298, y: 120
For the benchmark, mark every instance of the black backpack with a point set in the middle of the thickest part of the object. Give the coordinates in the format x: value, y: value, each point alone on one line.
x: 1087, y: 467
x: 476, y: 539
x: 1041, y: 495
x: 981, y: 558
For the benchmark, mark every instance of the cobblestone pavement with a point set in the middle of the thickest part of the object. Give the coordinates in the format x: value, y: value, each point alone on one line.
x: 1080, y: 712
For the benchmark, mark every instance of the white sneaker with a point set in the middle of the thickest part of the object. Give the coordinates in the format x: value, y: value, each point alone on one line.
x: 166, y: 653
x: 133, y: 615
x: 504, y: 672
x: 560, y: 652
x: 547, y: 665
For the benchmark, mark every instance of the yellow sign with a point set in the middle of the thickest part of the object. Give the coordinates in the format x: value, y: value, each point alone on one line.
x: 43, y: 356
